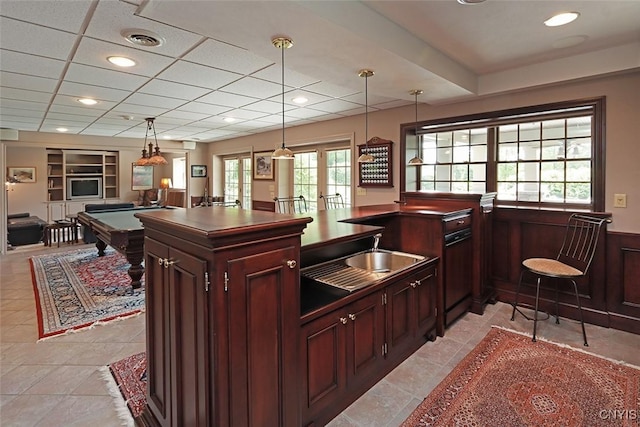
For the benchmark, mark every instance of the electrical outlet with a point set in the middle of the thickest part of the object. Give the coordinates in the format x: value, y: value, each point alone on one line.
x: 361, y: 191
x: 619, y: 200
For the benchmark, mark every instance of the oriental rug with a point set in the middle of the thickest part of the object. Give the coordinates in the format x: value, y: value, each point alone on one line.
x: 507, y: 380
x: 78, y: 289
x: 127, y: 383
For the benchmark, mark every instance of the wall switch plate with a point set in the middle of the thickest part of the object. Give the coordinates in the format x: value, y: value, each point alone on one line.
x: 361, y: 191
x: 619, y: 200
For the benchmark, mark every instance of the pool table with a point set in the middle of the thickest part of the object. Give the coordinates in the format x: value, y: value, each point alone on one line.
x: 121, y: 230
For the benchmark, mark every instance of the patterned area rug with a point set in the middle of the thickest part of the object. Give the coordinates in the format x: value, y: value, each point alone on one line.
x: 78, y: 289
x: 507, y: 380
x: 127, y: 383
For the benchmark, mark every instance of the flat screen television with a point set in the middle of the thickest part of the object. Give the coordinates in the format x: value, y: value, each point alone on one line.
x: 84, y: 188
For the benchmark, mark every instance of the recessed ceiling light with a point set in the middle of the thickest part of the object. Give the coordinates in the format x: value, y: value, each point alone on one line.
x: 62, y: 129
x: 121, y: 61
x: 561, y: 19
x: 470, y: 1
x: 300, y: 100
x: 88, y: 101
x: 229, y: 119
x: 166, y: 137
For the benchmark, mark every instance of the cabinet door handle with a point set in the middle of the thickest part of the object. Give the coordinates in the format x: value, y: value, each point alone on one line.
x: 292, y: 263
x: 167, y: 263
x: 352, y: 316
x: 160, y: 261
x: 343, y: 320
x: 418, y: 282
x: 413, y: 284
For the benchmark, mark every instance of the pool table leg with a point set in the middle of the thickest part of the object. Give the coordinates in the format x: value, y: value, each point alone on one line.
x: 101, y: 247
x: 136, y: 270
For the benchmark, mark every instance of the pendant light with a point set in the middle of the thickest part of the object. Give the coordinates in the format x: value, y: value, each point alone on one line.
x: 282, y: 153
x: 153, y: 156
x: 366, y: 157
x: 417, y: 160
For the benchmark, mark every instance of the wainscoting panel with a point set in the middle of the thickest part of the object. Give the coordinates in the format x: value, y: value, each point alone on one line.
x: 623, y: 281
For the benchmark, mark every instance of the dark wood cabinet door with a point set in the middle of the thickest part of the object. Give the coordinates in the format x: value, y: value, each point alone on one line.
x: 400, y: 317
x: 189, y: 358
x: 158, y: 331
x: 323, y: 353
x: 365, y: 338
x: 264, y: 322
x: 425, y: 303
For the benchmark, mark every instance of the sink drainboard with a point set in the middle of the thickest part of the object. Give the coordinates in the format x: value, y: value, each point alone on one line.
x: 343, y: 276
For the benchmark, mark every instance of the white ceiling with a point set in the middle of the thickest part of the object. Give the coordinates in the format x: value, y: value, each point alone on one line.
x: 217, y: 59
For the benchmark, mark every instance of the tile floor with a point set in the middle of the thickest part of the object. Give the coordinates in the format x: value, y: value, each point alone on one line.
x: 57, y: 382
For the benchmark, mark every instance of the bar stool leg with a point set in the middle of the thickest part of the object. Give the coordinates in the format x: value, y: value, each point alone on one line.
x: 584, y: 332
x: 515, y: 303
x: 535, y: 314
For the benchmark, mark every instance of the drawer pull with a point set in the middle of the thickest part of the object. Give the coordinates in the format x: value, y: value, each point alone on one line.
x: 460, y: 221
x: 413, y: 284
x: 292, y: 263
x: 352, y: 316
x: 343, y: 320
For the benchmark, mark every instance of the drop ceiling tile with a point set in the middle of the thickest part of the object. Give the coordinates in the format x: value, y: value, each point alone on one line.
x: 198, y: 75
x: 111, y: 18
x: 20, y: 125
x: 245, y: 114
x: 334, y: 106
x: 305, y: 113
x: 185, y: 115
x: 71, y: 118
x: 79, y: 73
x: 21, y: 81
x: 137, y: 110
x: 99, y: 131
x: 372, y: 99
x: 237, y: 60
x: 80, y: 111
x: 95, y: 52
x: 215, y: 122
x: 292, y: 79
x: 276, y: 118
x: 72, y: 101
x: 173, y: 90
x: 24, y: 95
x: 155, y: 101
x: 328, y: 89
x: 35, y: 40
x: 23, y: 63
x: 63, y: 15
x: 257, y: 88
x: 200, y: 107
x: 356, y: 111
x: 24, y: 105
x: 31, y: 117
x: 313, y: 98
x: 271, y: 107
x: 52, y: 125
x: 16, y: 113
x: 391, y: 104
x: 99, y: 93
x: 227, y: 99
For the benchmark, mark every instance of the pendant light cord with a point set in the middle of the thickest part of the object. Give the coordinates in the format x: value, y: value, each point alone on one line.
x: 282, y: 48
x: 366, y: 112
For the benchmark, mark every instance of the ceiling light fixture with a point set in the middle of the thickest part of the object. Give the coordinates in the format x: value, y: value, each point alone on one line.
x: 87, y: 101
x: 561, y: 19
x: 229, y: 119
x: 282, y: 153
x: 62, y: 129
x: 121, y: 61
x: 470, y: 1
x: 300, y: 100
x: 365, y: 157
x: 417, y: 160
x: 152, y: 157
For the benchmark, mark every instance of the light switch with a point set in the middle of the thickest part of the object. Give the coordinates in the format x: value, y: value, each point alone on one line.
x: 361, y: 191
x: 272, y: 188
x: 619, y: 200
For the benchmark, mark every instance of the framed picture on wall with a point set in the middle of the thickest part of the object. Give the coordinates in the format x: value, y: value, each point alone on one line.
x: 22, y: 173
x: 198, y: 171
x: 262, y: 165
x: 141, y: 177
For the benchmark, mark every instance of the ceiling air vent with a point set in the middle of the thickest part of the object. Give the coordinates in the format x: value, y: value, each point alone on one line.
x: 142, y: 38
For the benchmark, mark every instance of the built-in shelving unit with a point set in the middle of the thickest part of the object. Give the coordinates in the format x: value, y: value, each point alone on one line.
x: 63, y: 164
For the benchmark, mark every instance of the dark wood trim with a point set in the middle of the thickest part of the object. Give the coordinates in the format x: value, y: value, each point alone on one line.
x: 263, y: 205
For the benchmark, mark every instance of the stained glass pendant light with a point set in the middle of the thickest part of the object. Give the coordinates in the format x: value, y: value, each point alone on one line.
x: 153, y: 157
x: 282, y: 153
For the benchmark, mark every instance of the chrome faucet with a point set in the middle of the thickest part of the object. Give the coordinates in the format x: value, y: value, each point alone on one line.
x: 376, y: 241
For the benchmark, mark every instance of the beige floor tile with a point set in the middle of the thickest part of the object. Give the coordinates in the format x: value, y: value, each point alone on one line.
x: 62, y: 380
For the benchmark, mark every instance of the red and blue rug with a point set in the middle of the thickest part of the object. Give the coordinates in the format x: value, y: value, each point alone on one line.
x: 127, y: 383
x: 78, y: 289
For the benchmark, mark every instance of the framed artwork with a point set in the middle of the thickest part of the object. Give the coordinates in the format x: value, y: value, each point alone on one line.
x: 141, y: 177
x: 22, y: 173
x: 262, y: 165
x: 198, y: 171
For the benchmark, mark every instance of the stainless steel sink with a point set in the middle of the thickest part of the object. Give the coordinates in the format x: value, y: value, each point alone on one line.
x: 360, y: 270
x: 382, y: 261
